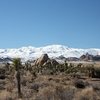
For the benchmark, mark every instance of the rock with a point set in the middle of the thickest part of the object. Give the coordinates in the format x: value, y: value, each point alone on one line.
x: 43, y: 59
x: 86, y: 57
x: 54, y: 62
x: 51, y: 62
x: 89, y: 57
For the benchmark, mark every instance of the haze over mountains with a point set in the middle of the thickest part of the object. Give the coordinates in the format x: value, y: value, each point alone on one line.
x: 53, y: 51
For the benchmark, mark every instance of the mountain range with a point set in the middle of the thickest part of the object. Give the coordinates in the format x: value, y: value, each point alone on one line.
x: 53, y: 51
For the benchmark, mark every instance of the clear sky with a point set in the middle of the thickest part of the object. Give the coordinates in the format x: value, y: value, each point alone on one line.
x: 74, y: 23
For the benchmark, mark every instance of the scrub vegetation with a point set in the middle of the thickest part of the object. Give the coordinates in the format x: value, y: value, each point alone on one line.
x: 46, y: 79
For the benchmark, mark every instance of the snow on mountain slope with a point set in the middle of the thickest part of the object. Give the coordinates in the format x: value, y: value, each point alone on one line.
x: 53, y: 51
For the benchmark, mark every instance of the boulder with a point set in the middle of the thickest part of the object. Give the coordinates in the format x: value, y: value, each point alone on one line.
x: 51, y: 62
x: 43, y: 59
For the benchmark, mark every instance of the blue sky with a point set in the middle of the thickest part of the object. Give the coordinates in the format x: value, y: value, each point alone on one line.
x: 75, y: 23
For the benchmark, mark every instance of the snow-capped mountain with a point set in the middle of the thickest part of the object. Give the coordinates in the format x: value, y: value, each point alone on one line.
x: 54, y: 51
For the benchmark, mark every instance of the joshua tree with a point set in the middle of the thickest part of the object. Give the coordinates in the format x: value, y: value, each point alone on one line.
x: 17, y: 65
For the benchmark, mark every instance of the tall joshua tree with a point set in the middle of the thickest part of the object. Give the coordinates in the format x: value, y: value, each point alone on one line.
x: 17, y: 65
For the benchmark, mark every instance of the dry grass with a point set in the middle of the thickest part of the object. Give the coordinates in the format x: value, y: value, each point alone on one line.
x: 86, y: 94
x: 56, y: 93
x: 49, y: 87
x: 5, y: 95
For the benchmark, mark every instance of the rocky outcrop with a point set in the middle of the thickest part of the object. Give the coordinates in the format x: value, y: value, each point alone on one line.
x: 96, y: 58
x: 43, y: 59
x: 86, y: 57
x: 51, y: 62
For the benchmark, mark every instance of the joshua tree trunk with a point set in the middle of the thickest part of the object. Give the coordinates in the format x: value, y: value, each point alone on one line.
x: 18, y: 84
x: 17, y: 65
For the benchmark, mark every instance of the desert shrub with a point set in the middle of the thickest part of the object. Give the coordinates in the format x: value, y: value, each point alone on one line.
x: 72, y: 69
x: 46, y: 94
x: 28, y: 66
x: 76, y: 75
x: 27, y: 77
x: 2, y: 76
x: 35, y: 87
x: 54, y: 70
x: 86, y: 94
x: 65, y: 93
x: 97, y: 73
x: 79, y: 65
x: 92, y: 71
x: 24, y: 82
x: 5, y: 95
x: 80, y: 83
x: 9, y: 86
x: 2, y: 73
x: 2, y: 84
x: 27, y: 94
x: 56, y: 93
x: 95, y: 86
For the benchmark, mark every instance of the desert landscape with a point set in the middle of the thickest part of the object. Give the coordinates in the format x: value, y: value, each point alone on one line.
x: 46, y: 79
x: 49, y: 49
